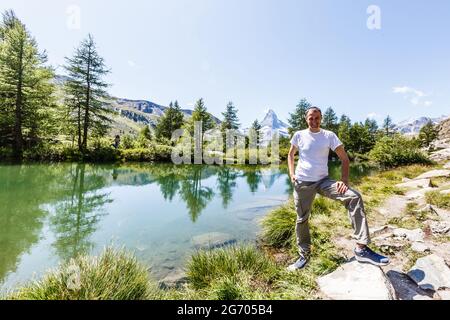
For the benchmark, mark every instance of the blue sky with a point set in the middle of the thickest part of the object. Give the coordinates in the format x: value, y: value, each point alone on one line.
x: 261, y: 54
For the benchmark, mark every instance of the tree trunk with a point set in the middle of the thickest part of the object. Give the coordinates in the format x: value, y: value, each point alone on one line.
x: 80, y: 147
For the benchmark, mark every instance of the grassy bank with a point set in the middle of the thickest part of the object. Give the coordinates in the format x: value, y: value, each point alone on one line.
x: 238, y: 272
x: 114, y: 275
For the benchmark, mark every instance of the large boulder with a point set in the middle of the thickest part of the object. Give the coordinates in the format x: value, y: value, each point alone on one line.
x: 416, y: 183
x: 356, y: 281
x: 441, y: 155
x: 434, y: 174
x: 431, y: 272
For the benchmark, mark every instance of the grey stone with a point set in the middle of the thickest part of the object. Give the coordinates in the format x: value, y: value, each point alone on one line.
x: 440, y: 227
x: 434, y: 174
x: 417, y: 194
x: 416, y: 183
x: 212, y: 240
x: 411, y: 235
x: 407, y: 289
x: 419, y: 247
x: 174, y: 279
x: 431, y: 272
x: 393, y: 206
x: 447, y: 165
x: 441, y: 155
x: 356, y: 281
x: 376, y: 231
x: 388, y: 244
x: 443, y: 214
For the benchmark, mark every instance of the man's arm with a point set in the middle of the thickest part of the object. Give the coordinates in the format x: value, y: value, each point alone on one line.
x: 340, y: 151
x: 291, y: 162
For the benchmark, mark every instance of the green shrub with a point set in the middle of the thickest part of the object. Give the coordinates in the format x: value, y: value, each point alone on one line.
x: 152, y: 153
x: 5, y: 153
x: 396, y: 150
x: 114, y: 275
x: 52, y: 152
x: 102, y: 150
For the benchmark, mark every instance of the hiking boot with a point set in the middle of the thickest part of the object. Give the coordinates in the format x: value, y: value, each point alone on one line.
x: 368, y: 255
x: 299, y: 264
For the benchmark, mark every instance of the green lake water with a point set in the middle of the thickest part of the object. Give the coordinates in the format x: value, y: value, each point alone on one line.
x: 51, y: 212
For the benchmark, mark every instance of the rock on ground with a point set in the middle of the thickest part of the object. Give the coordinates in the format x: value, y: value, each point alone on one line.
x: 441, y: 155
x: 417, y: 194
x: 418, y: 246
x: 174, y: 279
x: 444, y: 294
x: 416, y: 183
x: 356, y: 281
x: 407, y: 289
x: 393, y: 206
x: 434, y: 174
x: 440, y: 227
x: 212, y: 240
x: 431, y: 272
x: 411, y: 235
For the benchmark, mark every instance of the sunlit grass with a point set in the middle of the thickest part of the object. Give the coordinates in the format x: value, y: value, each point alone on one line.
x: 438, y: 199
x: 114, y: 275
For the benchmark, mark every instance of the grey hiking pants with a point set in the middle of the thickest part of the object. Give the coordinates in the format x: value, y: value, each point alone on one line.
x: 304, y: 194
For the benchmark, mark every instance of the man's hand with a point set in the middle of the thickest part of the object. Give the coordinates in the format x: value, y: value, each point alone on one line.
x: 342, y: 187
x: 293, y: 178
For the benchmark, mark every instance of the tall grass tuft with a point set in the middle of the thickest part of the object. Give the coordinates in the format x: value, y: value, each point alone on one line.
x: 278, y: 227
x: 231, y: 273
x: 438, y: 199
x: 114, y: 275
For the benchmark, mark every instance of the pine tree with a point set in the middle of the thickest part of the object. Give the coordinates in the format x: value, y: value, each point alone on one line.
x: 372, y: 129
x: 388, y: 126
x: 26, y: 94
x: 169, y: 122
x: 427, y: 134
x: 329, y: 120
x: 85, y: 91
x: 230, y: 118
x: 360, y: 140
x: 297, y: 119
x: 344, y: 131
x: 201, y: 114
x: 256, y: 129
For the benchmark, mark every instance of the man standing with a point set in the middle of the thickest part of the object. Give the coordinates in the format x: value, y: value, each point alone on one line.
x: 311, y: 177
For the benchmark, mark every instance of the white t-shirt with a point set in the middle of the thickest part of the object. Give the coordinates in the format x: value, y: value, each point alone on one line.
x: 313, y: 153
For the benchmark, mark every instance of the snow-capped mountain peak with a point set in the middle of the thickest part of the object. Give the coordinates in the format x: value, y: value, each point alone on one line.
x: 412, y: 126
x: 271, y: 120
x: 269, y: 125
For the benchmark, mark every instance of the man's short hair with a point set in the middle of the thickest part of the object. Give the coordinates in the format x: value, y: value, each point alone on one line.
x: 313, y: 108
